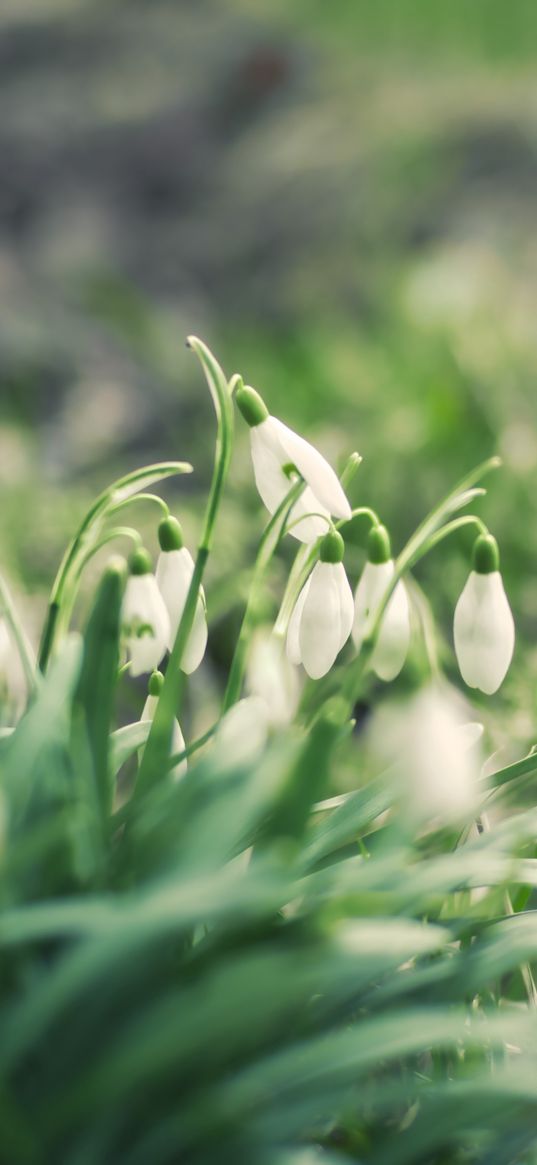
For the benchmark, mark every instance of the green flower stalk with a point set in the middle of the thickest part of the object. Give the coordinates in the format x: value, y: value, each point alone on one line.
x: 158, y: 747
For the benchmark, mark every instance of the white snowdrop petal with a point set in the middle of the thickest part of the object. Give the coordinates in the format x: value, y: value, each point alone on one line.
x: 149, y: 708
x: 320, y: 625
x: 174, y: 575
x: 394, y: 636
x: 294, y: 653
x: 178, y: 745
x: 374, y: 579
x: 315, y: 521
x: 484, y: 632
x: 146, y: 621
x: 243, y: 731
x: 145, y: 653
x: 197, y: 640
x: 268, y: 459
x: 346, y: 603
x: 315, y: 470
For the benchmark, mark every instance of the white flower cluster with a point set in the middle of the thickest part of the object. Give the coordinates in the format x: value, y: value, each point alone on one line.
x: 154, y: 604
x: 325, y: 614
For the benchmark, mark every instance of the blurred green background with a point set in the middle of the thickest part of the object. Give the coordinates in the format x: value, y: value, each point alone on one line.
x: 341, y: 199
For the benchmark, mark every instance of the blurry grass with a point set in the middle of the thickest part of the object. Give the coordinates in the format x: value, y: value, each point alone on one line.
x: 483, y: 29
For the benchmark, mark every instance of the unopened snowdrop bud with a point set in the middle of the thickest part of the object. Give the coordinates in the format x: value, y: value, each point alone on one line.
x: 175, y: 568
x: 272, y: 677
x: 277, y: 452
x: 322, y: 618
x: 145, y: 622
x: 394, y: 635
x: 154, y: 689
x: 434, y: 753
x: 484, y: 630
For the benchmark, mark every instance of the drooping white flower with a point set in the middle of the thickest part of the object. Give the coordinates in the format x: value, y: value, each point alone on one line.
x: 276, y: 451
x: 145, y: 622
x: 322, y: 618
x: 393, y: 639
x: 175, y: 567
x: 484, y: 629
x: 271, y: 676
x: 243, y: 731
x: 156, y: 681
x: 434, y: 754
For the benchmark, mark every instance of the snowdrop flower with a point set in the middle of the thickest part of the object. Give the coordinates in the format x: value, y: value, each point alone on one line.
x: 276, y: 452
x: 435, y: 755
x: 322, y: 618
x: 271, y: 676
x: 484, y: 630
x: 146, y: 626
x: 154, y: 689
x: 394, y: 635
x: 243, y: 731
x: 175, y: 567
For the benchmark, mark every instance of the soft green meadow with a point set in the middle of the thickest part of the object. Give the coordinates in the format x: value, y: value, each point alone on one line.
x: 286, y: 918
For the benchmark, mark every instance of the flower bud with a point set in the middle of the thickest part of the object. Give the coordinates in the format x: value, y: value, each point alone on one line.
x: 484, y: 629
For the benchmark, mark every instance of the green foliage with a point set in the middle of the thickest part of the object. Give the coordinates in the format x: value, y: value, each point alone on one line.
x: 232, y: 964
x: 169, y: 993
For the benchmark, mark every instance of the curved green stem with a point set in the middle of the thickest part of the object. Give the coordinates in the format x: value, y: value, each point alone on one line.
x: 7, y: 609
x: 358, y: 512
x: 452, y: 527
x: 156, y: 753
x: 274, y: 531
x: 143, y: 497
x: 118, y: 492
x: 312, y: 514
x: 110, y: 536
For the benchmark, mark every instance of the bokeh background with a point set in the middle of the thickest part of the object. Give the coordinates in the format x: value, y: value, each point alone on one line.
x: 341, y: 199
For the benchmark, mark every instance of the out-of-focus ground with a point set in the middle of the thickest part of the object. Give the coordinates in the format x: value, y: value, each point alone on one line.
x: 341, y: 199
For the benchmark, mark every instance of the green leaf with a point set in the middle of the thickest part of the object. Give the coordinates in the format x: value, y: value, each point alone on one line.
x: 140, y: 479
x: 95, y: 694
x: 30, y: 758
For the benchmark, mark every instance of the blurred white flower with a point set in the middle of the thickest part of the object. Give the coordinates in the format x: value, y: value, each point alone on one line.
x: 434, y: 754
x: 276, y: 451
x: 145, y: 622
x: 271, y: 676
x: 175, y: 567
x: 322, y: 618
x: 394, y: 635
x: 243, y: 731
x: 484, y: 629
